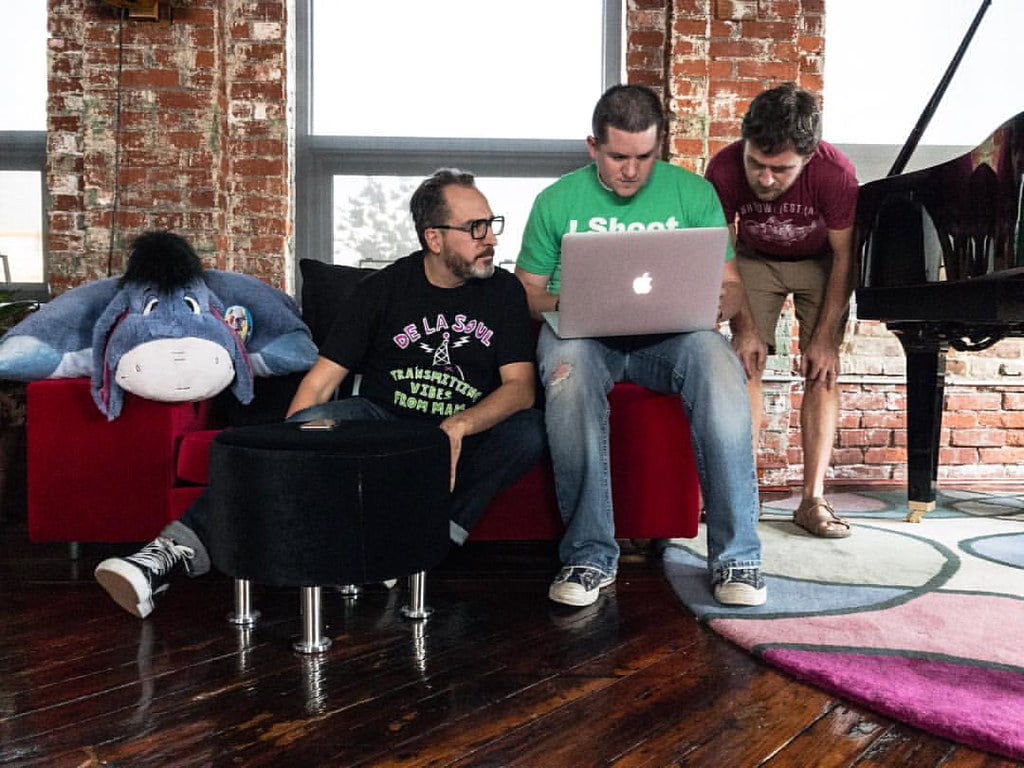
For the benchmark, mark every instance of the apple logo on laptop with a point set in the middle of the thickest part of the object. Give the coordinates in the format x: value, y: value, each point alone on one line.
x: 643, y: 283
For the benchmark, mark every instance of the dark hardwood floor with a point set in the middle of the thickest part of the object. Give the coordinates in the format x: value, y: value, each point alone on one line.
x: 497, y: 676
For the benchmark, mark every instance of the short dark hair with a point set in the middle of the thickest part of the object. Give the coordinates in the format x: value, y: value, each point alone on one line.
x: 428, y: 205
x: 783, y: 117
x: 630, y: 108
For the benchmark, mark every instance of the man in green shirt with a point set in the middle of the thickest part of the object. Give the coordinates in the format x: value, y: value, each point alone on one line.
x: 628, y: 188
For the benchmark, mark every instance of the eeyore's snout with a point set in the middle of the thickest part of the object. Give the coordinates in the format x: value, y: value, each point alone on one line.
x: 175, y: 370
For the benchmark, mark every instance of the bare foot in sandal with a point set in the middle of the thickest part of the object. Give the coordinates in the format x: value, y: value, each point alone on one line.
x: 816, y: 516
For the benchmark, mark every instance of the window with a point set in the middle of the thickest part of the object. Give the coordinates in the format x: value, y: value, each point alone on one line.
x: 387, y: 93
x: 873, y: 101
x: 22, y: 148
x: 372, y: 224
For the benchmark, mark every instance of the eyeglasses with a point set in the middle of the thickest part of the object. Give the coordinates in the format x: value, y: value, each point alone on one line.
x: 477, y: 228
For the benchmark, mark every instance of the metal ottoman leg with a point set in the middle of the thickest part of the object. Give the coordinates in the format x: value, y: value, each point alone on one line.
x: 243, y: 615
x: 417, y: 608
x: 312, y: 640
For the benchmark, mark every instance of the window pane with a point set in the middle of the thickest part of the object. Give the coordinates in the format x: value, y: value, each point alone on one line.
x: 21, y: 216
x: 23, y: 62
x: 456, y: 68
x: 372, y: 224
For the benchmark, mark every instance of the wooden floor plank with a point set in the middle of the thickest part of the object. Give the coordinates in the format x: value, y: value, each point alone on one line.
x: 631, y: 711
x: 847, y: 732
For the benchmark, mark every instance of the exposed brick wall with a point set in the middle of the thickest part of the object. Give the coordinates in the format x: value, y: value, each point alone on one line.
x: 205, y: 151
x: 708, y: 59
x: 982, y: 436
x: 203, y: 137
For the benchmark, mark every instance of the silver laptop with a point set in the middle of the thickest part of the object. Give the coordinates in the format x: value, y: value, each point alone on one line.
x: 625, y: 283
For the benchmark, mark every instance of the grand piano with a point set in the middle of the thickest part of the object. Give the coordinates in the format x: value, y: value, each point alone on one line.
x: 942, y: 264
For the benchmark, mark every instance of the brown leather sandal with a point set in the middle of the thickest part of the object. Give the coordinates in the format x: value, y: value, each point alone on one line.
x: 817, y: 517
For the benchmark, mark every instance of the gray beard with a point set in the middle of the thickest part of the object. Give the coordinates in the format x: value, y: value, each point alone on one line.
x: 474, y: 271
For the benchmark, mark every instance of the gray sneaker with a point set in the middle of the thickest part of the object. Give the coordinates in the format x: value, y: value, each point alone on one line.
x: 579, y: 585
x: 741, y: 586
x: 134, y: 582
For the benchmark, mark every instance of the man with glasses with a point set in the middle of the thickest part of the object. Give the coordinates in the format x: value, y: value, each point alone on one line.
x: 628, y: 188
x: 440, y: 336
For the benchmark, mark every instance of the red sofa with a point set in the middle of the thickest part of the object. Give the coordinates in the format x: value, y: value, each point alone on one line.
x: 94, y: 480
x: 90, y: 480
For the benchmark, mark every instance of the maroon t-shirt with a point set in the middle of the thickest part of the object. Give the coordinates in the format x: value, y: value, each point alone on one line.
x: 795, y: 225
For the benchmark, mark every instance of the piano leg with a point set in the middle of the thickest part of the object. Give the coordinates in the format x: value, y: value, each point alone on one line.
x: 926, y: 380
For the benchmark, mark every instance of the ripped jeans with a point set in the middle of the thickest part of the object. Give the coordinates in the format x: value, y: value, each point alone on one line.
x: 702, y: 368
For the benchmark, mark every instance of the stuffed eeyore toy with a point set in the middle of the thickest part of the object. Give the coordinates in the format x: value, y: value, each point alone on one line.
x: 166, y: 330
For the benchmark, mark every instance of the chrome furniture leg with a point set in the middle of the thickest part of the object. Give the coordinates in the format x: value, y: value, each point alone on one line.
x: 243, y: 615
x: 313, y: 639
x: 417, y: 608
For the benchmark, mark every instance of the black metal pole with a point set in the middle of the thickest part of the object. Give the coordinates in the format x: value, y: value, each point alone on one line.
x: 915, y: 135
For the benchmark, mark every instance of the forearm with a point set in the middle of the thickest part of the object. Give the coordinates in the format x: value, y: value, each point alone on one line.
x: 838, y: 288
x: 733, y: 305
x: 507, y: 399
x: 317, y: 386
x: 831, y: 317
x: 541, y: 302
x: 538, y: 298
x: 743, y: 320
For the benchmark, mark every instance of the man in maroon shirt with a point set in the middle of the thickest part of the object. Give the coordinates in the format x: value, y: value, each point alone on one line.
x: 790, y: 200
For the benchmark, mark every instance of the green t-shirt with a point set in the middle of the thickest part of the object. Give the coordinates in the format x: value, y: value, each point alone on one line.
x: 672, y: 198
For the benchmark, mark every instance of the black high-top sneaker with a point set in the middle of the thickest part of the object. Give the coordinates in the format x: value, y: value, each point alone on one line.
x: 134, y: 582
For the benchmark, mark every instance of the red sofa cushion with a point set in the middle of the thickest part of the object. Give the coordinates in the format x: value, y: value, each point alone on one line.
x: 655, y: 490
x: 194, y: 457
x: 90, y: 479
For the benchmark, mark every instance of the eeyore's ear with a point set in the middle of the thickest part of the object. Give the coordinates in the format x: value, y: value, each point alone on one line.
x: 105, y: 391
x: 242, y: 387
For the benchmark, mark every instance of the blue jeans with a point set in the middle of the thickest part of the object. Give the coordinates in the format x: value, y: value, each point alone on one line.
x: 489, y: 461
x: 702, y: 368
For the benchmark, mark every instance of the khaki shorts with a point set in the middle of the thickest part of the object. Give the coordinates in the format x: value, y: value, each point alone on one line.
x: 768, y: 282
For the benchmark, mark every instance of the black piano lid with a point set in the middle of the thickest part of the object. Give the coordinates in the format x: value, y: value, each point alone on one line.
x: 939, y: 230
x: 952, y: 223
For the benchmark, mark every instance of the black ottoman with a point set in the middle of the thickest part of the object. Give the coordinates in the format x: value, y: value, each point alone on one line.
x: 362, y: 502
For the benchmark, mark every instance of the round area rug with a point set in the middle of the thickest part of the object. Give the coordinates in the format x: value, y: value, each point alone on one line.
x: 921, y: 622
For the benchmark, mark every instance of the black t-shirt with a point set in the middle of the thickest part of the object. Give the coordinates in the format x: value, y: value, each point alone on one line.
x: 430, y: 352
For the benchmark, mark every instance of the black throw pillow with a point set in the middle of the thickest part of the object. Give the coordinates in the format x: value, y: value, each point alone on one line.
x: 325, y: 289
